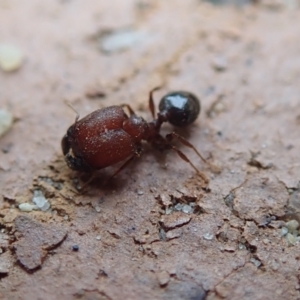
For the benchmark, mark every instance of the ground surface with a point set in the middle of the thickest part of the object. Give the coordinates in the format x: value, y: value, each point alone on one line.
x: 244, y: 64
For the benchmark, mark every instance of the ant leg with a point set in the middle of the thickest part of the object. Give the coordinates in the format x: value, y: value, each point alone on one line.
x: 131, y: 111
x: 169, y: 138
x: 172, y: 135
x: 184, y: 157
x: 127, y: 162
x: 151, y: 102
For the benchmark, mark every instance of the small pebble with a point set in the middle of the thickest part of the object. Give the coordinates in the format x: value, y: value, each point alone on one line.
x: 66, y: 217
x: 98, y: 209
x: 140, y: 193
x: 121, y: 40
x: 187, y: 209
x: 256, y: 262
x: 75, y: 247
x: 208, y: 236
x: 27, y: 207
x: 11, y: 58
x: 98, y: 238
x: 292, y: 240
x: 168, y: 210
x: 219, y: 63
x: 242, y: 247
x: 178, y: 206
x: 6, y: 121
x: 292, y: 225
x: 284, y: 231
x: 40, y: 200
x: 163, y: 278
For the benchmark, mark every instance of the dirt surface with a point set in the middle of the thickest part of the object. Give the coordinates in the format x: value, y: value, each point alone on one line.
x: 155, y: 231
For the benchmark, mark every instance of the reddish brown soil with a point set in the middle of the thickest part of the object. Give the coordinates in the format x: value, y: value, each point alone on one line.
x: 244, y: 64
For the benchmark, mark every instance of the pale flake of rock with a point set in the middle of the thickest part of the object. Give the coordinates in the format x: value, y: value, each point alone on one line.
x: 208, y: 236
x: 256, y: 262
x: 187, y: 209
x: 292, y: 225
x: 27, y: 207
x: 11, y: 58
x: 6, y: 121
x: 41, y: 202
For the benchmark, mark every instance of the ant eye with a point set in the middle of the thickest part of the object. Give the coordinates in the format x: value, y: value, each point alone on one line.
x: 181, y: 108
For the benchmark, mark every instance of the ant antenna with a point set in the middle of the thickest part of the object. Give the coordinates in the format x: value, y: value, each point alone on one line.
x: 76, y: 112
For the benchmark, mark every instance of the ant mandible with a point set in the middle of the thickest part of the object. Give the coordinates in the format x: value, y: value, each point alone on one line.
x: 108, y: 135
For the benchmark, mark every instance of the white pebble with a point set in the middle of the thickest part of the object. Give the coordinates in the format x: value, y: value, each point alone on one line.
x: 27, y: 207
x: 120, y: 40
x: 178, y: 206
x: 256, y: 262
x: 187, y: 209
x: 292, y: 225
x: 11, y: 58
x: 98, y: 238
x: 41, y: 202
x: 208, y: 236
x: 284, y: 231
x: 98, y: 209
x: 6, y: 121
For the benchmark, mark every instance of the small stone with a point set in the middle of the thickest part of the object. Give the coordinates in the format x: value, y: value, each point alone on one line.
x: 140, y: 193
x: 121, y: 40
x: 11, y: 58
x: 292, y: 225
x: 284, y: 231
x: 75, y: 247
x: 27, y: 207
x: 292, y: 240
x: 163, y: 278
x: 98, y: 238
x: 275, y: 266
x: 256, y: 262
x: 66, y: 217
x: 242, y: 247
x: 176, y: 219
x: 168, y: 210
x: 173, y: 234
x: 178, y: 206
x: 208, y: 236
x: 6, y: 121
x: 98, y: 209
x: 187, y: 209
x: 40, y: 200
x: 219, y: 63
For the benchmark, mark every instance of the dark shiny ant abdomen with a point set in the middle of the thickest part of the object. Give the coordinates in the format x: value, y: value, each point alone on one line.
x: 182, y: 108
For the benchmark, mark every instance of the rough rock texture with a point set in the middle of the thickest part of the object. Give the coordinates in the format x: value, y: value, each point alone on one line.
x: 35, y: 240
x: 135, y: 238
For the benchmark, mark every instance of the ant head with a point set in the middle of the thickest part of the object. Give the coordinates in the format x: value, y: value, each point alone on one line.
x: 181, y: 108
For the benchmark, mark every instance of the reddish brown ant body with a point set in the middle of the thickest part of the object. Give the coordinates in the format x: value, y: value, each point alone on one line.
x: 108, y: 135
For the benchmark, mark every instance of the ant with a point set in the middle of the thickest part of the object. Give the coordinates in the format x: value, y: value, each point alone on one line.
x: 108, y: 135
